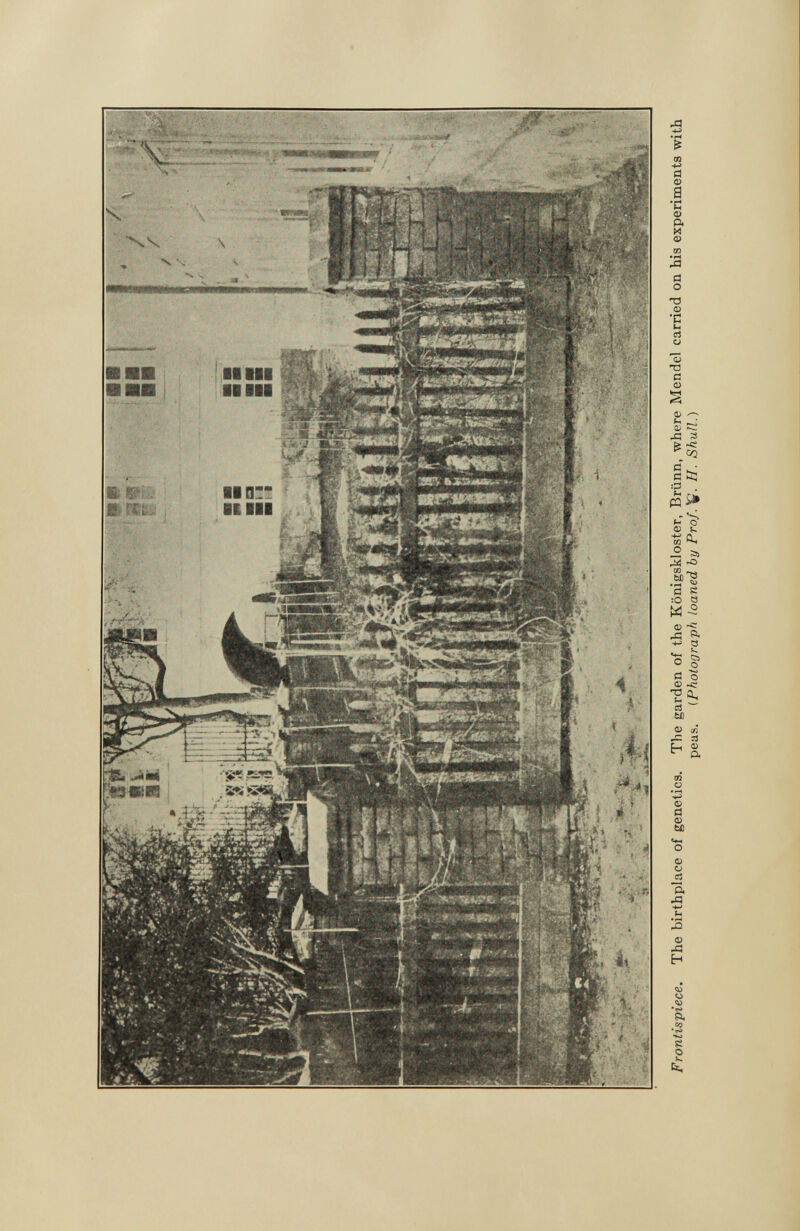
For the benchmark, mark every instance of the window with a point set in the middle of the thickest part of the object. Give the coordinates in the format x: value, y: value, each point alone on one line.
x: 246, y: 499
x: 133, y: 783
x: 133, y: 499
x: 250, y: 783
x: 246, y: 379
x: 129, y: 378
x: 320, y: 158
x: 151, y: 636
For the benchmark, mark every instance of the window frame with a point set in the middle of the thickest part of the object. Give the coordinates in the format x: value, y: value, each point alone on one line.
x: 227, y: 502
x: 242, y: 398
x: 130, y: 483
x: 140, y: 361
x: 125, y: 627
x: 230, y: 773
x: 132, y: 777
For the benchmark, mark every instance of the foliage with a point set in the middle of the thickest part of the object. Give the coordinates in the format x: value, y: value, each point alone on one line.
x: 197, y: 987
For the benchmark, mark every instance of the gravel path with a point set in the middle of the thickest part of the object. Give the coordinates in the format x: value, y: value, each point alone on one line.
x: 610, y: 680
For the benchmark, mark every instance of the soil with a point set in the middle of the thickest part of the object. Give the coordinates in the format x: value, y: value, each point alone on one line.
x: 609, y: 680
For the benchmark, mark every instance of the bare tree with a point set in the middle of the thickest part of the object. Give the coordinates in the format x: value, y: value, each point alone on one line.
x: 137, y: 711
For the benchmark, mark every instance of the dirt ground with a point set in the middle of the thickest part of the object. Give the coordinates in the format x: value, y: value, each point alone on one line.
x: 610, y: 674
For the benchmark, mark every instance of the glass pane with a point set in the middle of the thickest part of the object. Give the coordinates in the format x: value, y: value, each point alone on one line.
x: 226, y: 492
x: 148, y: 391
x: 258, y: 390
x: 112, y: 373
x: 237, y: 374
x: 248, y: 391
x: 113, y: 391
x: 112, y: 493
x: 226, y: 373
x: 248, y: 491
x: 152, y: 775
x: 259, y: 508
x: 237, y: 391
x: 237, y: 493
x: 131, y: 391
x: 149, y: 634
x: 148, y: 510
x: 268, y: 391
x: 267, y: 510
x: 148, y: 373
x: 249, y: 510
x: 136, y: 791
x: 259, y: 373
x: 131, y: 373
x: 226, y: 391
x: 133, y: 493
x: 267, y: 373
x: 248, y: 373
x: 134, y: 634
x: 133, y: 510
x: 237, y: 510
x: 152, y: 792
x: 117, y: 790
x: 113, y: 510
x: 115, y: 632
x: 148, y: 493
x: 227, y: 509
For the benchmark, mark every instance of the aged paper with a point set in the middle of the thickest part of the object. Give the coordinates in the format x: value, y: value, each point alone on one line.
x: 692, y: 976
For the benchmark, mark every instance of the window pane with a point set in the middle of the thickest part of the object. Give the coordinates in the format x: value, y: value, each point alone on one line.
x: 237, y: 374
x: 134, y: 634
x: 267, y: 510
x: 267, y: 373
x: 112, y: 493
x: 148, y: 373
x: 237, y: 493
x: 149, y: 634
x: 131, y: 391
x: 133, y: 493
x: 152, y: 792
x: 248, y: 391
x: 268, y: 391
x: 227, y: 510
x: 112, y: 373
x: 257, y: 390
x: 148, y: 493
x: 148, y: 510
x: 237, y: 510
x: 248, y: 373
x: 131, y: 373
x: 259, y: 373
x: 113, y: 510
x: 148, y: 391
x: 226, y: 391
x: 226, y: 373
x: 227, y: 493
x: 133, y: 510
x: 113, y: 391
x: 137, y: 791
x: 237, y: 391
x: 259, y: 509
x: 249, y: 510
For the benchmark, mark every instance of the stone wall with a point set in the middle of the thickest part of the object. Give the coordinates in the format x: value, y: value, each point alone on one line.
x: 439, y: 234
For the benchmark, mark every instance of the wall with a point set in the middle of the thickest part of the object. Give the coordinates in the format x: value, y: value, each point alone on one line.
x: 434, y: 233
x: 219, y: 198
x: 191, y: 569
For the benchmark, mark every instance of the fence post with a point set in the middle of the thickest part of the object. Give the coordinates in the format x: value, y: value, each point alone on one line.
x: 408, y: 375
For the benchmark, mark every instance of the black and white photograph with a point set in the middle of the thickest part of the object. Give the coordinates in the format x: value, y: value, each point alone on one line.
x: 375, y: 725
